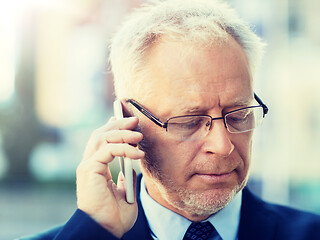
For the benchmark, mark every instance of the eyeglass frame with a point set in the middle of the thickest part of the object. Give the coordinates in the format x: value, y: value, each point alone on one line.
x: 158, y: 122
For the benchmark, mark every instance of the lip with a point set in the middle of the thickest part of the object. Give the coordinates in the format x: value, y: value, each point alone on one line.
x: 214, y: 178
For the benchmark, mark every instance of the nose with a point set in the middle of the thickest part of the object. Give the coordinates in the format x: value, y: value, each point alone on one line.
x: 218, y: 140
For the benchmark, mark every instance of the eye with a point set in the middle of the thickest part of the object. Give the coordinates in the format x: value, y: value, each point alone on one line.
x: 188, y: 123
x: 234, y: 118
x: 191, y: 123
x: 240, y: 116
x: 190, y: 126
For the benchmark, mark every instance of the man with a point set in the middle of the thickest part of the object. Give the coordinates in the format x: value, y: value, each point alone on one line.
x: 184, y: 72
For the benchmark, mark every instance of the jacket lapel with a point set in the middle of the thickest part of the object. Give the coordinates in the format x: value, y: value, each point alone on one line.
x: 256, y: 221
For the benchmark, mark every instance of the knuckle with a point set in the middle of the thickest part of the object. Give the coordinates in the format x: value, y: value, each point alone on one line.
x: 95, y: 132
x: 80, y: 169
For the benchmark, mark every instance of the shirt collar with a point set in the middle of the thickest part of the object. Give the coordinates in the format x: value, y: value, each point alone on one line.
x: 227, y: 220
x: 174, y: 226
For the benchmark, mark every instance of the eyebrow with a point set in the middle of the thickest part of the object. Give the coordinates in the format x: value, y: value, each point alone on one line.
x: 190, y: 110
x: 243, y: 102
x: 197, y: 109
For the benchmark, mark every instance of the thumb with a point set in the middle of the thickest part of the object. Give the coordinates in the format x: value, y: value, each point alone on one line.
x: 121, y: 185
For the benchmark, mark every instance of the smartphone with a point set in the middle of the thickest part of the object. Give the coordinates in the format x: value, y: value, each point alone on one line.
x: 125, y: 163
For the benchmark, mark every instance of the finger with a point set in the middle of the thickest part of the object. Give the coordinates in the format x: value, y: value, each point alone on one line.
x: 122, y: 136
x: 107, y: 153
x: 99, y: 138
x: 91, y: 168
x: 121, y: 185
x: 121, y: 180
x: 122, y: 124
x: 113, y: 136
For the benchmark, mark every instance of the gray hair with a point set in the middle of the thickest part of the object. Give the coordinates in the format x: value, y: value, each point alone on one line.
x: 202, y: 22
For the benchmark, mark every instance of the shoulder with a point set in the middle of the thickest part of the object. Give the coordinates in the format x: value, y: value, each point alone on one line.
x: 49, y: 234
x: 80, y: 226
x: 279, y: 211
x: 293, y: 216
x: 279, y: 220
x: 289, y: 219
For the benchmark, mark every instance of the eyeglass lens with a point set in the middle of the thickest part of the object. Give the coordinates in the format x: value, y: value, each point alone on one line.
x: 195, y: 127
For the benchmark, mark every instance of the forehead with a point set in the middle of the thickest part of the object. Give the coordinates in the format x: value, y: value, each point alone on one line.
x: 189, y: 76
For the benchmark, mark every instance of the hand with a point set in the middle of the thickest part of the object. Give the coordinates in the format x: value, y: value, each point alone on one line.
x: 97, y: 194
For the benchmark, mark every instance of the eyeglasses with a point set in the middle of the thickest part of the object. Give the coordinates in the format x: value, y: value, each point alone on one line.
x: 193, y: 127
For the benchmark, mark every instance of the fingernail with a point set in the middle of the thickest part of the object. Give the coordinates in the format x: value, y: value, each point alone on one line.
x: 120, y: 177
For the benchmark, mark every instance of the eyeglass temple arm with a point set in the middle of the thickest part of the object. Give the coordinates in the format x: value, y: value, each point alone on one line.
x: 147, y: 113
x: 265, y: 108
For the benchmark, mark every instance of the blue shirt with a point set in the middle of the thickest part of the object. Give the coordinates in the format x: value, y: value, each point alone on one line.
x: 173, y: 226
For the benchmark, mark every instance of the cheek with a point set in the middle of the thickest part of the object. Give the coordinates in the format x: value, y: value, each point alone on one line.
x: 243, y: 146
x: 183, y: 156
x: 176, y: 157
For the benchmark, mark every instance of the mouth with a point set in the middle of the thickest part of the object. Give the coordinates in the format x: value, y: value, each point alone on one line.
x: 215, y: 177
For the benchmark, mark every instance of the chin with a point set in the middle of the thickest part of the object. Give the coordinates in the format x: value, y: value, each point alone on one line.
x: 206, y: 203
x: 202, y: 204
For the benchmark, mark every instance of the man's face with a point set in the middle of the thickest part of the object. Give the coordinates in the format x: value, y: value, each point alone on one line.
x: 196, y: 178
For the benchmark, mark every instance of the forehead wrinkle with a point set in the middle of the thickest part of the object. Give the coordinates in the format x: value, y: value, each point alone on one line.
x: 197, y: 106
x: 202, y: 107
x: 218, y: 84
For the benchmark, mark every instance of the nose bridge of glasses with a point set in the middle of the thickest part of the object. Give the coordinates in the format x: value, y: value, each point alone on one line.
x: 210, y: 124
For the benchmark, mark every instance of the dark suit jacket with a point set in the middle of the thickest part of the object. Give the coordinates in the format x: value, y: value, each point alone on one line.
x: 259, y: 221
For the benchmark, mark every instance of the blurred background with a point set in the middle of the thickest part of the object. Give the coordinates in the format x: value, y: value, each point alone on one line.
x: 55, y: 89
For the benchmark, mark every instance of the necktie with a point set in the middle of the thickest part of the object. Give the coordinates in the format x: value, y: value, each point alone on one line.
x: 199, y: 231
